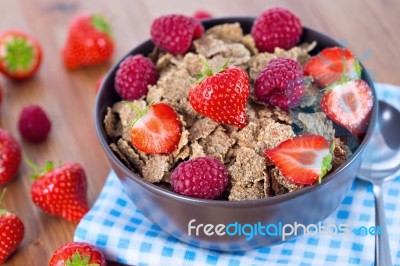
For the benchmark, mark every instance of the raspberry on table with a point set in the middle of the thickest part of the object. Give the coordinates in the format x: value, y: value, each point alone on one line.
x: 280, y: 83
x: 203, y: 177
x: 133, y: 77
x: 175, y: 33
x: 276, y: 27
x: 34, y: 124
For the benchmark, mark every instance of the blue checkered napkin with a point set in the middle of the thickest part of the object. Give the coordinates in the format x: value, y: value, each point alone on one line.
x: 116, y: 227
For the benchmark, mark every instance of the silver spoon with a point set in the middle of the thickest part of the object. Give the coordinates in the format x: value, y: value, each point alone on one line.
x: 381, y: 162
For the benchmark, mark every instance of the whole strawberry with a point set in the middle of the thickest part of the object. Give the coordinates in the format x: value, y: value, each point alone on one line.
x: 276, y: 27
x: 34, y: 124
x: 222, y: 96
x: 89, y: 42
x: 77, y: 254
x: 280, y: 83
x: 20, y: 56
x: 60, y: 191
x: 134, y: 75
x: 349, y: 104
x: 175, y: 33
x: 11, y: 232
x: 10, y: 158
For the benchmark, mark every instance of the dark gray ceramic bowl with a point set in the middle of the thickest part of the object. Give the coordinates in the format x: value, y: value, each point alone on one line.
x: 172, y: 212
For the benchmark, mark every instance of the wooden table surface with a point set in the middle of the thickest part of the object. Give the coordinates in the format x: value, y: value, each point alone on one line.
x: 370, y: 29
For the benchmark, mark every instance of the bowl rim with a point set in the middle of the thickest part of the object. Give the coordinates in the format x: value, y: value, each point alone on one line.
x: 326, y: 181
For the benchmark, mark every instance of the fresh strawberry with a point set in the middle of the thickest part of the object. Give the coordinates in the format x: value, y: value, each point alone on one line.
x: 156, y: 129
x: 77, y: 254
x: 349, y: 104
x: 174, y: 33
x: 202, y: 14
x: 11, y: 232
x: 10, y: 158
x: 332, y: 65
x: 89, y: 42
x: 222, y: 96
x: 20, y: 55
x: 303, y: 159
x: 60, y: 191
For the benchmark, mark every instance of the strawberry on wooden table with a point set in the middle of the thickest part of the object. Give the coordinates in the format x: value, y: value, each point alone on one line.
x: 20, y: 55
x: 77, y: 254
x: 89, y: 42
x: 157, y: 129
x: 349, y: 104
x: 332, y: 65
x: 61, y: 190
x: 303, y: 159
x: 222, y: 95
x: 10, y: 157
x: 11, y: 232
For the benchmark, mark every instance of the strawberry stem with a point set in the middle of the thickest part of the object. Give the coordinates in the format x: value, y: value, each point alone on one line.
x: 208, y: 71
x: 49, y: 166
x: 139, y: 112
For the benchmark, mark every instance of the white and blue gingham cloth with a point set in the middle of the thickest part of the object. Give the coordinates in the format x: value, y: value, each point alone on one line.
x: 121, y: 231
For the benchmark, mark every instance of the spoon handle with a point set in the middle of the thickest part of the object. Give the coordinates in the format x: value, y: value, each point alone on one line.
x: 382, y: 249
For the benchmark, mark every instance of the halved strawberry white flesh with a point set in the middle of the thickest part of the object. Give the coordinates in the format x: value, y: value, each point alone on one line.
x: 303, y: 159
x: 157, y: 130
x: 20, y: 55
x: 332, y: 65
x: 349, y: 104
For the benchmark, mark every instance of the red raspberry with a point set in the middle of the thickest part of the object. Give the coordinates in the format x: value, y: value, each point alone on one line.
x: 174, y: 33
x: 280, y: 83
x: 276, y: 27
x: 133, y: 76
x: 202, y: 14
x: 204, y: 177
x: 34, y: 125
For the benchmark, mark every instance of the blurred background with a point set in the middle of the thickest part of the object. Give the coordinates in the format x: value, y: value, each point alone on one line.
x: 368, y: 28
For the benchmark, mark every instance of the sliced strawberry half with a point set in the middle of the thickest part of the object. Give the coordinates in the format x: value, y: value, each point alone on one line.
x: 303, y: 159
x: 349, y: 104
x: 332, y: 65
x: 156, y: 129
x: 20, y: 55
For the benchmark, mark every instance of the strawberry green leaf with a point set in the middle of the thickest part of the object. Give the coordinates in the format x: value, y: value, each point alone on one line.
x: 18, y: 55
x: 101, y: 24
x: 326, y: 163
x: 38, y: 172
x: 357, y: 68
x: 208, y: 71
x: 78, y: 260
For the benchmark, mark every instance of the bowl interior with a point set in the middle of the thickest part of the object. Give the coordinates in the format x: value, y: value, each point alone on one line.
x: 107, y: 97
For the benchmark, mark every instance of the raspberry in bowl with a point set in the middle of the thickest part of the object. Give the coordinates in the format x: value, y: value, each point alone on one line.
x: 262, y: 138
